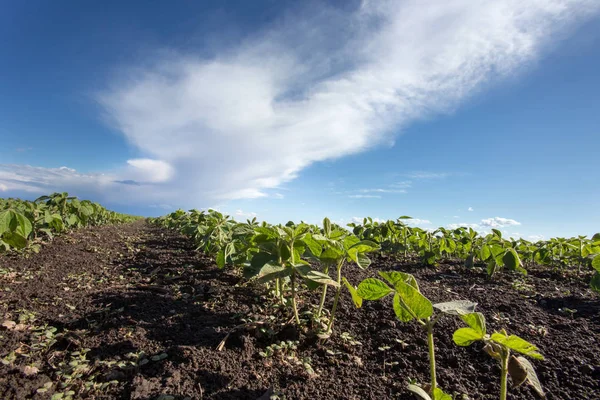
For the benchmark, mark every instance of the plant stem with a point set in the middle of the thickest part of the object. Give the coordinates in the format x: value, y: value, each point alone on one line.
x: 337, y: 297
x: 323, y: 295
x: 293, y: 281
x: 278, y: 288
x: 431, y: 356
x: 504, y: 373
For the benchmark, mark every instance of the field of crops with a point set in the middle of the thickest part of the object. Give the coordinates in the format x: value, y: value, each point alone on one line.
x: 196, y: 305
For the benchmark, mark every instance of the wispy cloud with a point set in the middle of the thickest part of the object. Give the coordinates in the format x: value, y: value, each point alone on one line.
x: 382, y: 191
x: 470, y: 209
x: 324, y: 84
x: 422, y: 175
x: 364, y: 196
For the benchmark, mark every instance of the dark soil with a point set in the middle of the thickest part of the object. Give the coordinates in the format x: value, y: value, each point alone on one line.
x: 152, y: 312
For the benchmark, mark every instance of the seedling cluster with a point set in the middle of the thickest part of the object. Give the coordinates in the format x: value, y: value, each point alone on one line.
x: 292, y: 259
x: 24, y: 223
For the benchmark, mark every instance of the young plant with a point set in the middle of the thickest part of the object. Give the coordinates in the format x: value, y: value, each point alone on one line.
x: 499, y: 346
x: 595, y: 282
x: 409, y: 304
x: 280, y: 259
x: 14, y: 230
x: 339, y: 248
x: 499, y: 253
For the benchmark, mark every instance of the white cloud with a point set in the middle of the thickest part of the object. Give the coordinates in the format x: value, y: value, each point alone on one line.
x: 278, y: 196
x: 116, y: 186
x: 42, y: 180
x: 536, y: 238
x: 463, y: 224
x: 417, y: 221
x: 240, y: 213
x: 470, y: 209
x: 382, y: 191
x: 146, y: 170
x: 3, y: 187
x: 359, y: 220
x: 364, y: 196
x: 318, y: 86
x: 499, y: 222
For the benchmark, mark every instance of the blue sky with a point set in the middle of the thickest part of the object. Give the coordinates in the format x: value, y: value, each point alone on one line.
x: 454, y: 112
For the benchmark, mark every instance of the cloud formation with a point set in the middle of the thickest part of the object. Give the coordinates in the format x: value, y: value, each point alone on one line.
x: 498, y: 222
x: 324, y: 85
x: 487, y: 223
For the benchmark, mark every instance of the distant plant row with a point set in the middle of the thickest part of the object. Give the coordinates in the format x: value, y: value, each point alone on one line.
x: 24, y: 223
x: 293, y: 258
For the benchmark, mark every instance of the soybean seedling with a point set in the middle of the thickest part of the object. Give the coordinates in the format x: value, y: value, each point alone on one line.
x: 409, y: 304
x: 499, y: 346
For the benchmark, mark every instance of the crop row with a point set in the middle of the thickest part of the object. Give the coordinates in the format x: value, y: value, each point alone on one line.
x: 283, y: 257
x: 25, y: 222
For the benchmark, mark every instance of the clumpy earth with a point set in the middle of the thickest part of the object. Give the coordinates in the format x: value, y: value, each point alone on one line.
x: 133, y: 312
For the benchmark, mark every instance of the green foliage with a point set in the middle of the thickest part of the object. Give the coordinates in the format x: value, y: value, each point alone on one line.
x: 23, y: 222
x: 409, y: 304
x: 499, y: 346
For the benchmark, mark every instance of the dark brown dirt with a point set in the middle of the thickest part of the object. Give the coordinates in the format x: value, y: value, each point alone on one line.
x: 136, y: 288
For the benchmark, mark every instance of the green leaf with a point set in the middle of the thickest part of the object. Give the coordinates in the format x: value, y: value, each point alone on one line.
x: 595, y: 282
x: 350, y: 241
x: 363, y: 261
x: 14, y: 240
x: 476, y: 321
x: 402, y: 313
x: 5, y: 219
x: 517, y: 344
x: 466, y: 336
x: 485, y: 253
x: 327, y: 226
x: 315, y: 247
x: 395, y: 276
x: 373, y: 289
x: 353, y: 292
x: 284, y: 251
x: 415, y: 303
x: 23, y: 225
x: 220, y: 259
x: 270, y: 272
x: 511, y: 260
x: 438, y: 394
x: 330, y: 255
x: 596, y: 263
x: 364, y: 246
x: 457, y: 307
x: 320, y: 277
